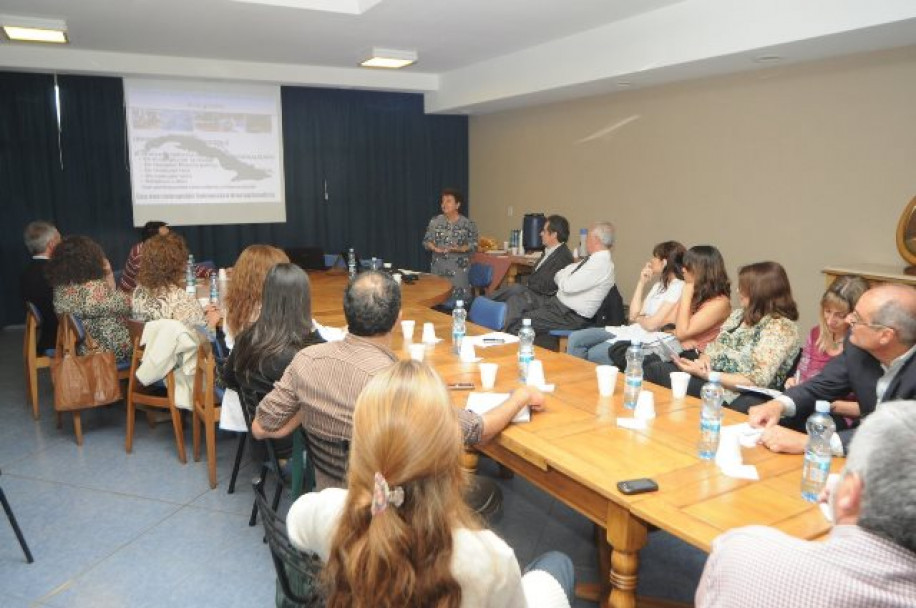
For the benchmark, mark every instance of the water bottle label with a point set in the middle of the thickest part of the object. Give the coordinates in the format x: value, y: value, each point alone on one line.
x: 634, y: 381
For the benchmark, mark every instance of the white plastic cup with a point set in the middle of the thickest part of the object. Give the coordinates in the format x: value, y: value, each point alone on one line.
x: 607, y: 379
x: 679, y: 382
x: 645, y: 406
x: 467, y: 354
x: 429, y: 333
x: 407, y: 328
x: 417, y: 351
x: 488, y: 375
x: 397, y: 277
x: 536, y: 373
x: 729, y: 450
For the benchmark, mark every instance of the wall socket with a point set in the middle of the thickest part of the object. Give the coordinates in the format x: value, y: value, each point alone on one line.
x: 510, y: 210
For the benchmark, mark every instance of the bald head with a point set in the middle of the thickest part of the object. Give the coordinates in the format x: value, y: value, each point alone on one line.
x: 372, y: 303
x: 893, y: 306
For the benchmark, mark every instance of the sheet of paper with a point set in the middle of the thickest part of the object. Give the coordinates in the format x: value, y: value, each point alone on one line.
x: 747, y: 435
x: 760, y: 390
x: 481, y: 403
x: 740, y: 471
x: 330, y: 334
x: 634, y: 424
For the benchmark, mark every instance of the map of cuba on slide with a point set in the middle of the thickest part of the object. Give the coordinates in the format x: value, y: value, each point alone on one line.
x: 190, y: 146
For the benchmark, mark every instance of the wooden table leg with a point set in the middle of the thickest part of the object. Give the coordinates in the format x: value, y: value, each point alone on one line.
x: 626, y: 535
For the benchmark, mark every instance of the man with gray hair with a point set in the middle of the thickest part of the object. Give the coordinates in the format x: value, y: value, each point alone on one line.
x: 40, y: 239
x: 581, y: 288
x: 877, y: 364
x: 869, y: 558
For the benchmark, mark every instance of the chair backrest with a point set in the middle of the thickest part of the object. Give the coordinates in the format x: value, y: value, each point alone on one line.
x: 205, y: 375
x: 298, y: 572
x: 611, y: 311
x: 32, y: 325
x: 488, y: 313
x: 480, y: 275
x: 70, y: 334
x: 32, y: 314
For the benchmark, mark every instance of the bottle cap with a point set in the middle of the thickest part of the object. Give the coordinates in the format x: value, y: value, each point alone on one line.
x: 715, y: 377
x: 822, y: 406
x: 635, y: 342
x: 526, y: 322
x: 459, y: 304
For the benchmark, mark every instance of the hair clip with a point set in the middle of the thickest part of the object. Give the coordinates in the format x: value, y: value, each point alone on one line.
x: 382, y: 496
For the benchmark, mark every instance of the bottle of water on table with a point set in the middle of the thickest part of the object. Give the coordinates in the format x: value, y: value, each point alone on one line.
x: 712, y: 395
x: 817, y: 453
x: 351, y: 263
x: 633, y: 375
x: 214, y: 288
x: 525, y: 349
x: 190, y: 279
x: 459, y: 327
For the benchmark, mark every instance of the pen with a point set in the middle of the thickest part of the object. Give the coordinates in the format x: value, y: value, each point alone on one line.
x: 494, y: 341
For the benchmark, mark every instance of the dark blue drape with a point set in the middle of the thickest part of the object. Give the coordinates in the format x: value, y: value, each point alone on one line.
x: 362, y: 169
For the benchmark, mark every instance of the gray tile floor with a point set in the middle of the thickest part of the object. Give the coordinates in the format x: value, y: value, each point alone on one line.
x: 109, y: 529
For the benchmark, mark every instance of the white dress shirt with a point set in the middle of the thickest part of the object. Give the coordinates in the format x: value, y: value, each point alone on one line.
x: 582, y: 289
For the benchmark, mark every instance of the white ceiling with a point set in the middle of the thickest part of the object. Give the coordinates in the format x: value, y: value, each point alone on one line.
x: 475, y: 55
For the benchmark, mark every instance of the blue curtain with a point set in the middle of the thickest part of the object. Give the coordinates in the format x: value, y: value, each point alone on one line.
x: 362, y: 169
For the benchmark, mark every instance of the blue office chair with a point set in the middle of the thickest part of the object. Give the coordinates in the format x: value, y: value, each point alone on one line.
x: 487, y: 312
x: 479, y: 276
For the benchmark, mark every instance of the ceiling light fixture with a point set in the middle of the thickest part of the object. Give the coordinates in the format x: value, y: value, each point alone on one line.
x: 390, y: 58
x: 32, y: 29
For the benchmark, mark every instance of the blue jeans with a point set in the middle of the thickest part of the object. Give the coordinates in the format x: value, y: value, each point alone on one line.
x: 590, y: 344
x: 560, y: 567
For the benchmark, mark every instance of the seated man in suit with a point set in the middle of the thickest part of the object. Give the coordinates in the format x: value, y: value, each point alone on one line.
x: 541, y: 284
x: 869, y: 558
x: 40, y: 239
x: 876, y: 364
x: 581, y: 288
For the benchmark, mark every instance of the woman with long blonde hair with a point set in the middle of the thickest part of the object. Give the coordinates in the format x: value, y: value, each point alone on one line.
x: 401, y: 534
x: 243, y: 297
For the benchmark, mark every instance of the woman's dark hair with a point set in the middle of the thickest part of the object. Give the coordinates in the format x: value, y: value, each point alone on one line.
x: 672, y: 253
x: 76, y: 260
x: 710, y: 279
x: 455, y: 193
x: 150, y: 229
x: 285, y: 322
x: 766, y: 286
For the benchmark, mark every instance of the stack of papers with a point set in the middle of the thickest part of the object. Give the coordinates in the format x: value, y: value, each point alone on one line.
x: 481, y: 403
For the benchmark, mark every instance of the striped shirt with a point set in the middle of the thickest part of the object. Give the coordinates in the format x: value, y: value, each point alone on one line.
x: 324, y: 382
x: 760, y: 566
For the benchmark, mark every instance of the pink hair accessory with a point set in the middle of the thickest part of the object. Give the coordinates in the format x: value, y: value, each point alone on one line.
x: 382, y: 495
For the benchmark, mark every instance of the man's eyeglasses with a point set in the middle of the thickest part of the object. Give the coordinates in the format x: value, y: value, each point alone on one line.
x: 856, y: 319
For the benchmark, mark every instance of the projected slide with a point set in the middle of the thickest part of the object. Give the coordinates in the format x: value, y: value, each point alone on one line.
x: 205, y: 153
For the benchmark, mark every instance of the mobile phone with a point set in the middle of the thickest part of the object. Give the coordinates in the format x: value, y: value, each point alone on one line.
x: 637, y: 486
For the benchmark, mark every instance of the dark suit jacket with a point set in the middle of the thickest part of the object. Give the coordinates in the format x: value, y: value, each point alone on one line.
x: 34, y: 288
x: 541, y: 280
x: 854, y: 370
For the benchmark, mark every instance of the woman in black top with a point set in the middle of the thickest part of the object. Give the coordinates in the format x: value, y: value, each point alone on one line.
x: 264, y: 350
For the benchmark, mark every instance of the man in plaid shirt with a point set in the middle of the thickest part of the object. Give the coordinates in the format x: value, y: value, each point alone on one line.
x: 869, y: 558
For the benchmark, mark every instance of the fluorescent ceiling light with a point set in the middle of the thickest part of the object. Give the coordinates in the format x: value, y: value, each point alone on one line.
x: 389, y: 58
x: 31, y: 29
x: 347, y: 7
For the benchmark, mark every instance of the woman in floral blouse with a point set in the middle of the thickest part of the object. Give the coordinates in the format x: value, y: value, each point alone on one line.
x: 160, y: 292
x: 84, y: 286
x: 758, y: 342
x: 452, y: 238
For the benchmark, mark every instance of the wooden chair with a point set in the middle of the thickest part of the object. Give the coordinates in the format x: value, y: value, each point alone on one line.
x: 33, y: 361
x: 137, y: 394
x: 206, y: 410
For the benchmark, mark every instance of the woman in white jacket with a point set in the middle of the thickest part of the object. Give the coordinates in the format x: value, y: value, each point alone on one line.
x: 401, y: 534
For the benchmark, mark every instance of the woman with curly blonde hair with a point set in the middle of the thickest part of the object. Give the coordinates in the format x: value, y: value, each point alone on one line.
x: 243, y: 298
x: 160, y: 292
x: 401, y: 534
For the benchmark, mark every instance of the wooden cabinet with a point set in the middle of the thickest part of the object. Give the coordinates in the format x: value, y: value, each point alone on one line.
x: 874, y: 273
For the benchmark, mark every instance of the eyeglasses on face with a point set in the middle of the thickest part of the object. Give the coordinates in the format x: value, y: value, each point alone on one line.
x: 854, y: 318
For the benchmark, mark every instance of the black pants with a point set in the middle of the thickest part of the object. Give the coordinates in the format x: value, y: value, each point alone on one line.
x: 658, y: 372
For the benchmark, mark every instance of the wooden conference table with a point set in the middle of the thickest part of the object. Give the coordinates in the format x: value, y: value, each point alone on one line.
x: 576, y: 452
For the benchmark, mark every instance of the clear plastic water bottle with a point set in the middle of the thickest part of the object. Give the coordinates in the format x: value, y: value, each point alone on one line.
x: 351, y: 263
x: 712, y: 394
x: 817, y: 453
x: 190, y: 279
x: 214, y: 288
x: 582, y: 250
x: 633, y: 375
x: 459, y: 327
x: 525, y: 349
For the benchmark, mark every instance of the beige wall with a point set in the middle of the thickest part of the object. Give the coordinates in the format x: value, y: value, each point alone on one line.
x: 807, y: 165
